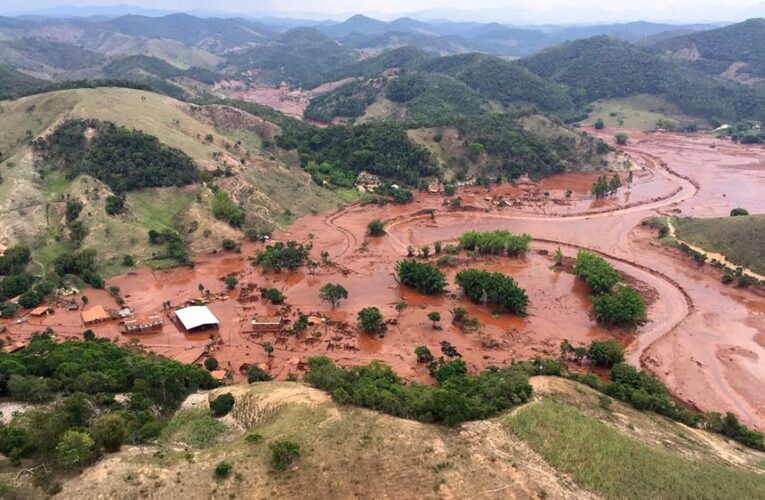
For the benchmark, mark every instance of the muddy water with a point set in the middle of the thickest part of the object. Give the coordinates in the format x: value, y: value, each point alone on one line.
x: 706, y: 341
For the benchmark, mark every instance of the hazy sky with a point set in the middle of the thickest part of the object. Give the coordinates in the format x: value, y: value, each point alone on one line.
x: 519, y: 11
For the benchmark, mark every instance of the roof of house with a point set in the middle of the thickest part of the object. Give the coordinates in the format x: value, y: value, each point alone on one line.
x: 95, y: 313
x: 267, y: 320
x: 195, y: 316
x: 218, y: 374
x: 39, y: 311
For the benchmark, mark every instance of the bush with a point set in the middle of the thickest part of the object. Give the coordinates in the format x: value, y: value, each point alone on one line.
x: 128, y: 261
x: 273, y: 295
x: 495, y: 289
x: 598, y: 273
x: 257, y: 374
x: 424, y: 278
x: 599, y: 124
x: 224, y: 208
x: 624, y: 307
x: 253, y: 437
x: 74, y: 449
x: 230, y: 282
x: 115, y: 204
x: 278, y: 256
x: 423, y: 354
x: 228, y: 244
x: 211, y: 364
x: 621, y: 138
x: 605, y: 353
x: 109, y: 431
x: 371, y: 321
x: 221, y: 405
x: 223, y: 470
x: 283, y: 454
x: 376, y: 228
x: 738, y: 211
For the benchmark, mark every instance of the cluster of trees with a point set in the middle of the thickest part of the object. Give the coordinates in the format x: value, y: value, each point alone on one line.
x: 498, y: 242
x: 496, y: 289
x: 278, y: 256
x: 421, y: 276
x: 324, y: 173
x: 176, y: 248
x: 382, y: 148
x: 224, y: 208
x: 82, y: 379
x: 122, y: 158
x: 347, y: 101
x: 603, y: 187
x: 456, y: 397
x: 614, y: 304
x: 603, y: 353
x: 81, y: 264
x: 17, y: 281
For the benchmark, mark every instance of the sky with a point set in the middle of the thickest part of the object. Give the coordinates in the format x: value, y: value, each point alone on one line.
x: 515, y: 12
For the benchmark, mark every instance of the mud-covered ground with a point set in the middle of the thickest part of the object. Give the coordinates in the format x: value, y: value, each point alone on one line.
x: 705, y: 340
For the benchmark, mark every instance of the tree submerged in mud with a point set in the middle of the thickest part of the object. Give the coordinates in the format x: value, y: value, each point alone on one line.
x: 422, y: 277
x: 333, y: 294
x: 495, y: 289
x: 371, y: 321
x: 278, y: 256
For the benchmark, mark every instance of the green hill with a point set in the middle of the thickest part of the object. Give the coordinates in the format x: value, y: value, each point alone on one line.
x: 714, y: 51
x: 13, y: 82
x: 740, y: 239
x: 602, y: 68
x: 217, y: 138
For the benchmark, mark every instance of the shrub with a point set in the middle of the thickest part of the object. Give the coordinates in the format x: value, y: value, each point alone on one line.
x: 109, y: 431
x: 74, y: 449
x: 221, y: 405
x: 738, y: 211
x: 283, y: 454
x: 605, y: 353
x: 222, y: 470
x: 257, y: 374
x: 371, y: 321
x: 599, y: 124
x: 423, y: 277
x: 496, y: 289
x: 228, y: 244
x: 423, y: 354
x: 128, y: 261
x: 273, y: 295
x: 376, y: 228
x: 621, y: 138
x: 231, y: 282
x: 624, y: 307
x: 211, y: 364
x: 253, y: 437
x: 115, y: 204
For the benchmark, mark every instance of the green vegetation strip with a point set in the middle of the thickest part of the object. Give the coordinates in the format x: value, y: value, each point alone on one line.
x: 607, y: 462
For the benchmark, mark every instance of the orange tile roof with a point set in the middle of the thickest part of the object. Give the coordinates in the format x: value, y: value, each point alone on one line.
x: 218, y: 374
x: 95, y: 313
x: 39, y: 311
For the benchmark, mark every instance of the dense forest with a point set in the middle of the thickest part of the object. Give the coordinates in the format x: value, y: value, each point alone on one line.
x: 124, y: 159
x: 601, y: 67
x: 381, y: 148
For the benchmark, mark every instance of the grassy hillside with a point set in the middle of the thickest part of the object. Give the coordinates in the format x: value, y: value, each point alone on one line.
x: 641, y: 112
x: 740, y: 239
x: 32, y: 206
x: 347, y: 452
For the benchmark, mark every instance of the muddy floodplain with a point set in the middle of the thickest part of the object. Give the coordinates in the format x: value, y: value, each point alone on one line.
x: 704, y: 340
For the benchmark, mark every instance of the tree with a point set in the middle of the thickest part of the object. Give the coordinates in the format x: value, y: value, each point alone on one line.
x: 128, y: 261
x: 221, y: 405
x: 109, y: 431
x: 599, y: 124
x: 211, y: 364
x: 423, y: 354
x: 629, y: 177
x: 496, y: 289
x: 89, y: 335
x: 332, y: 293
x: 423, y: 277
x: 615, y: 183
x: 435, y: 317
x: 605, y: 353
x: 115, y: 204
x: 376, y: 228
x: 268, y: 348
x: 621, y: 138
x: 284, y: 453
x: 623, y: 307
x: 371, y: 321
x: 74, y: 449
x: 273, y: 295
x: 231, y: 282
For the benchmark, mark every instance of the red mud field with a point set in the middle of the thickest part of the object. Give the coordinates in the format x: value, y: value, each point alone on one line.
x: 705, y: 340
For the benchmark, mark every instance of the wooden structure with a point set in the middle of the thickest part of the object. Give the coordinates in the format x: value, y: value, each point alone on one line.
x: 143, y: 324
x: 267, y: 323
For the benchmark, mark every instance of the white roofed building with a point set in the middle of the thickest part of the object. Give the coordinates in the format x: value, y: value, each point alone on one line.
x: 196, y: 318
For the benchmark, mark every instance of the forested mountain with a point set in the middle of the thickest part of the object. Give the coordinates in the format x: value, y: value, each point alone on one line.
x: 13, y: 82
x: 736, y: 51
x: 602, y: 67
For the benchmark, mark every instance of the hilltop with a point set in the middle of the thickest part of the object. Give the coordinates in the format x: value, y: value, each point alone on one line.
x: 347, y: 451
